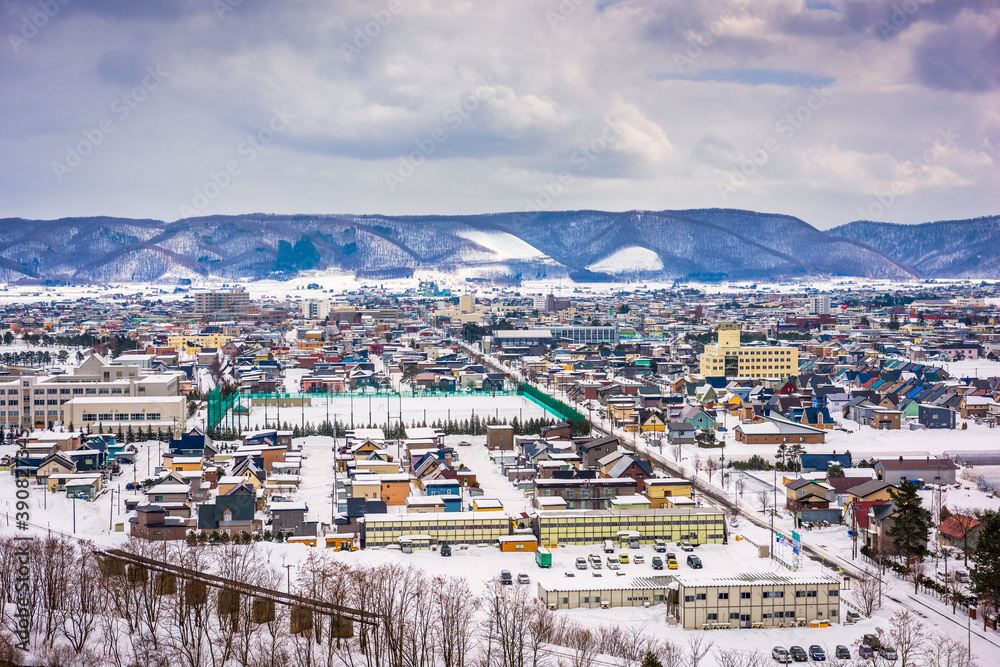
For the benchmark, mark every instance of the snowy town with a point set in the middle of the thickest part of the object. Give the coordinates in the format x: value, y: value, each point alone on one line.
x: 351, y: 476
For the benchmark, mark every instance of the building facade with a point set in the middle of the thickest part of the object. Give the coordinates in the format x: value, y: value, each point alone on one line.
x: 728, y: 358
x: 697, y: 525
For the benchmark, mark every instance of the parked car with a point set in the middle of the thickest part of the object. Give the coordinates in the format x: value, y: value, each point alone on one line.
x: 866, y: 651
x: 817, y: 653
x: 799, y: 654
x: 781, y: 654
x: 581, y: 563
x: 523, y: 579
x: 872, y: 641
x: 613, y: 564
x: 694, y: 562
x: 445, y: 549
x: 623, y: 558
x: 888, y: 653
x: 657, y: 563
x: 505, y: 577
x: 842, y: 652
x: 687, y: 546
x: 638, y: 559
x: 852, y: 617
x: 671, y: 562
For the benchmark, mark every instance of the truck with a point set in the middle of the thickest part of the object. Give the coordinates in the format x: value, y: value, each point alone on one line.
x: 543, y: 557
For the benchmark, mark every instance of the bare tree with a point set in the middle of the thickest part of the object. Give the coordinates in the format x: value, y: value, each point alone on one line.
x: 962, y: 525
x: 583, y: 642
x: 984, y: 608
x: 78, y: 615
x: 735, y: 657
x: 698, y: 648
x: 907, y: 635
x: 943, y: 651
x: 741, y: 486
x: 866, y: 591
x: 916, y: 573
x: 710, y: 468
x: 677, y: 452
x: 953, y: 591
x: 763, y: 499
x: 509, y: 612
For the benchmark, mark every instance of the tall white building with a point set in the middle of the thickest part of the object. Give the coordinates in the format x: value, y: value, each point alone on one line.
x: 819, y: 304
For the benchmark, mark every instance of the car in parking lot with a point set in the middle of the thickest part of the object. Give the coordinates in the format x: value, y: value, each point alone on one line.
x: 523, y: 579
x: 842, y: 652
x: 613, y: 564
x: 888, y: 653
x: 445, y: 549
x: 781, y: 654
x: 623, y: 558
x: 872, y: 641
x: 671, y: 562
x: 657, y: 563
x: 817, y: 653
x: 581, y: 563
x: 638, y: 559
x: 798, y: 654
x: 866, y: 651
x: 694, y: 562
x: 506, y: 577
x: 687, y: 546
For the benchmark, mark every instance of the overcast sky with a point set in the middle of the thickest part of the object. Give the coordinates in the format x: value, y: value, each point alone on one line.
x: 827, y: 110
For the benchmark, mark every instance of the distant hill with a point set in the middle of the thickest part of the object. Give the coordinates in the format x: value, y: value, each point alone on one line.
x: 585, y: 245
x: 946, y: 249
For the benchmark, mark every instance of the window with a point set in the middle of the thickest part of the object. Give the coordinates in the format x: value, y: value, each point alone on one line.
x: 734, y: 615
x: 767, y: 616
x: 700, y: 596
x: 723, y: 596
x: 834, y: 593
x: 711, y: 617
x: 834, y: 612
x: 689, y: 598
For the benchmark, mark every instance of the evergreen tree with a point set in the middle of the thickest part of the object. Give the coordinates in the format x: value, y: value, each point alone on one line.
x: 651, y: 660
x: 911, y: 523
x: 986, y: 560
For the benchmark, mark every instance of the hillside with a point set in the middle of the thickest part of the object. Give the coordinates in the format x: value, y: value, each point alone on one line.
x: 585, y: 245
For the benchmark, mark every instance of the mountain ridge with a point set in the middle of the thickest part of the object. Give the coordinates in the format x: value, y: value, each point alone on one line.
x: 586, y: 245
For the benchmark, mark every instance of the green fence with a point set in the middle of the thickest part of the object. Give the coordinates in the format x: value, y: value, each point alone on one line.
x: 218, y: 406
x: 553, y: 405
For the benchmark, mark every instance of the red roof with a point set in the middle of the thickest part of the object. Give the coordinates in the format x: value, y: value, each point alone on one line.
x: 955, y: 525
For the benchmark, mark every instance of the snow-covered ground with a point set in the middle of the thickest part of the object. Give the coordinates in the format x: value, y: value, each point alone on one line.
x: 380, y: 409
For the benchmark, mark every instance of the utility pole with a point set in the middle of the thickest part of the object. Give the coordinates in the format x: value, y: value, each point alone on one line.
x: 288, y: 571
x: 111, y: 511
x: 74, y: 515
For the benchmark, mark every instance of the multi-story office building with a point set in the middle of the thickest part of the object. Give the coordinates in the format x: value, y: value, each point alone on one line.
x: 594, y: 494
x: 728, y: 358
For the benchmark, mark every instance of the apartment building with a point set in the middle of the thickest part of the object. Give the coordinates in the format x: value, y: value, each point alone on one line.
x: 728, y: 358
x: 166, y: 414
x: 593, y: 494
x: 226, y: 300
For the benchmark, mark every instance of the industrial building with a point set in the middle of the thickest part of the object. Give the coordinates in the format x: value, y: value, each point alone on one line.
x: 728, y: 358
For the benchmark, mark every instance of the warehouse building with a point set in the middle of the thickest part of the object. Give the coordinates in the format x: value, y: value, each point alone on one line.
x: 752, y: 599
x: 380, y: 530
x: 697, y: 525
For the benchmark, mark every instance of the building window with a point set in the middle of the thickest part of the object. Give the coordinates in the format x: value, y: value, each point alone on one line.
x: 700, y: 596
x: 723, y: 596
x: 712, y: 617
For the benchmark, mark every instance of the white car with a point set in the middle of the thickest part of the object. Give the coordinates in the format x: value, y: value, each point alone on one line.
x: 613, y: 564
x: 638, y: 559
x: 781, y: 654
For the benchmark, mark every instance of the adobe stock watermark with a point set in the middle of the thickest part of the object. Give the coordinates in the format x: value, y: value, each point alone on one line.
x: 900, y: 14
x: 22, y: 551
x: 121, y: 108
x: 699, y: 41
x: 225, y: 7
x: 786, y: 127
x: 581, y: 160
x: 912, y: 170
x: 427, y: 146
x: 248, y: 149
x: 364, y: 35
x: 31, y: 25
x: 562, y: 12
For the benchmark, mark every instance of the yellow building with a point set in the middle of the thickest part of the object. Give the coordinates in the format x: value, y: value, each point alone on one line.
x: 728, y: 358
x: 183, y: 343
x: 660, y: 489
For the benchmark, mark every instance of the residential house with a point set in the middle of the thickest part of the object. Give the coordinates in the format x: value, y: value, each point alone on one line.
x: 929, y: 469
x: 152, y: 523
x: 804, y: 493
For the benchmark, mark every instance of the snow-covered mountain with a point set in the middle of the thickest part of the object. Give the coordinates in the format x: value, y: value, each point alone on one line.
x: 584, y: 245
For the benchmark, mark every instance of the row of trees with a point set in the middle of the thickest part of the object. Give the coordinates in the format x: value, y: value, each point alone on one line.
x: 474, y: 425
x: 83, y: 614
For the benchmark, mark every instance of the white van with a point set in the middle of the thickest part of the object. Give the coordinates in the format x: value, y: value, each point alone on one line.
x: 660, y: 546
x: 609, y: 547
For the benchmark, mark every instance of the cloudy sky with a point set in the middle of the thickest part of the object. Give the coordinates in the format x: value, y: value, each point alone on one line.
x: 828, y: 110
